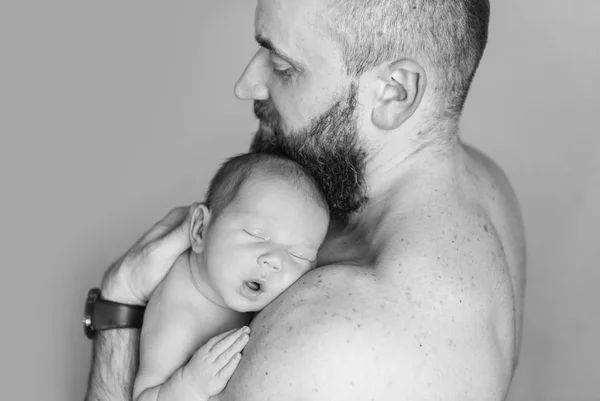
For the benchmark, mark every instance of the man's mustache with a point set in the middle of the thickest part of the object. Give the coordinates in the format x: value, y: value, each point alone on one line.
x: 266, y: 113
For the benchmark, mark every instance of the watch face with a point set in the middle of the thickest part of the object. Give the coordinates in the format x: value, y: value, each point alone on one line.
x: 88, y: 328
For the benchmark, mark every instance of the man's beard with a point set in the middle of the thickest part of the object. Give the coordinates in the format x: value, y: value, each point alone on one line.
x: 328, y: 148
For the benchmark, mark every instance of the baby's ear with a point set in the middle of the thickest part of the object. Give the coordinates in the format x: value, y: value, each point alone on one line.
x: 199, y: 223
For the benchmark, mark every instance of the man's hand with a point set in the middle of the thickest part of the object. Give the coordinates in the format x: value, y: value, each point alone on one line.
x: 133, y: 277
x: 131, y: 280
x: 209, y: 369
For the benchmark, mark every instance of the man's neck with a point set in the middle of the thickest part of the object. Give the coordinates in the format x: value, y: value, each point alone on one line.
x: 410, y: 148
x: 408, y: 152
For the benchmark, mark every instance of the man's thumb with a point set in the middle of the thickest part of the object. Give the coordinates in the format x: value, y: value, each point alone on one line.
x: 174, y: 243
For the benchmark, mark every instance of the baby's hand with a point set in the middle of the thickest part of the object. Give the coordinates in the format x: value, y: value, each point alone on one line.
x: 210, y: 368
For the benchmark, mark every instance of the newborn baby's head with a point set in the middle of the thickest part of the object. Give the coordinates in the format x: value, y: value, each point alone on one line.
x: 261, y: 228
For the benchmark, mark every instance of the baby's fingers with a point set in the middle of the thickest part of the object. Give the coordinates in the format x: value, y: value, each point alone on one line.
x: 225, y: 373
x: 232, y: 340
x: 213, y: 341
x: 231, y: 352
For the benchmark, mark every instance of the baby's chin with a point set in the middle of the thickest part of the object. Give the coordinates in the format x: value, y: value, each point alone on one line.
x: 246, y: 308
x: 241, y: 304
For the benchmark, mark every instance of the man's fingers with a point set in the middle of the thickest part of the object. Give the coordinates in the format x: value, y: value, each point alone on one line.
x: 225, y: 349
x: 172, y: 220
x: 135, y: 275
x: 170, y: 235
x: 149, y: 261
x: 175, y: 217
x: 173, y: 243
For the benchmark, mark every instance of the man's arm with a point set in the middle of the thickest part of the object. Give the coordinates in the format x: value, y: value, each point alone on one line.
x: 131, y: 280
x: 114, y: 365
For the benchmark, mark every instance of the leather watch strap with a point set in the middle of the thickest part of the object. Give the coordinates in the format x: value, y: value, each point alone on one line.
x: 112, y: 315
x: 102, y: 314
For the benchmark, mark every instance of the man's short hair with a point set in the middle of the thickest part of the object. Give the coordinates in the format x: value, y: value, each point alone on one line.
x: 447, y: 36
x: 226, y: 183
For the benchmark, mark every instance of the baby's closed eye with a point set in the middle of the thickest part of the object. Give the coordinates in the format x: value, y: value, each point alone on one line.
x: 256, y: 234
x: 302, y: 256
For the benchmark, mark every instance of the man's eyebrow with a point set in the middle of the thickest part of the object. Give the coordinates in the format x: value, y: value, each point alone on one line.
x: 267, y: 44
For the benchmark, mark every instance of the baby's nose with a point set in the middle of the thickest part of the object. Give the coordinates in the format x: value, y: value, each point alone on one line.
x: 271, y: 260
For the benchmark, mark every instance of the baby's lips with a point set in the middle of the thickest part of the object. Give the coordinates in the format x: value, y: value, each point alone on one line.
x: 260, y: 280
x: 249, y: 292
x: 253, y: 285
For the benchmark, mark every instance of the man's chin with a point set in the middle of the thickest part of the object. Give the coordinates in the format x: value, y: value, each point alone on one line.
x: 328, y: 148
x: 264, y: 140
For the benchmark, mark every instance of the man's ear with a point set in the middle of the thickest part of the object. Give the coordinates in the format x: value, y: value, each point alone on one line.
x: 198, y: 226
x: 404, y: 83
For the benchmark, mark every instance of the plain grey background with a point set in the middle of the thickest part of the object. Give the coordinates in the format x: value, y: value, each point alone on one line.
x: 113, y: 112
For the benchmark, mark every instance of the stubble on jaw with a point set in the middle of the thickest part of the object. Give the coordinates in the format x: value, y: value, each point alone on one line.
x: 328, y: 148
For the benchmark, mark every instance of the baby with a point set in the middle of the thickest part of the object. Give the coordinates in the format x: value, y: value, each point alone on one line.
x: 263, y: 222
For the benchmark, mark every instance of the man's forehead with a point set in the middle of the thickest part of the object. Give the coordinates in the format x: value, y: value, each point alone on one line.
x: 294, y: 26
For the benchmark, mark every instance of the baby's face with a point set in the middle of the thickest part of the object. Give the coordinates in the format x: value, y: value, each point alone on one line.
x: 263, y: 242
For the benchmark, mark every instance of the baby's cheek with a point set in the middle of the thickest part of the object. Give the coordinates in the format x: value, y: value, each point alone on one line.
x: 288, y: 283
x: 277, y: 291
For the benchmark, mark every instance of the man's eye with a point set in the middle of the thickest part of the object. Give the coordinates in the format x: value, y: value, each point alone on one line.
x: 283, y: 72
x: 280, y: 67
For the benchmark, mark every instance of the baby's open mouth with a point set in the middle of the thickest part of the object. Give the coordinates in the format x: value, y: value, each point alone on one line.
x: 253, y: 285
x: 253, y: 289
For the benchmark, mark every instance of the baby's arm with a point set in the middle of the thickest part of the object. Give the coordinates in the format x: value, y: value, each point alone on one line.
x: 175, y: 326
x: 172, y: 335
x: 178, y: 320
x: 169, y: 337
x: 207, y: 372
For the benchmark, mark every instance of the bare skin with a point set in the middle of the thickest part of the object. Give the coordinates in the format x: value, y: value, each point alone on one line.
x: 427, y: 304
x: 420, y: 296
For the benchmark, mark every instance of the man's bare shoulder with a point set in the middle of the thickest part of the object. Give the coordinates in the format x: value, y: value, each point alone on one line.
x: 456, y: 235
x: 498, y: 199
x: 452, y: 256
x: 430, y: 316
x: 348, y: 332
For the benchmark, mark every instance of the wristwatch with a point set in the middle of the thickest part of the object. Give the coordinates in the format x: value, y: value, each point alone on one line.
x: 101, y: 314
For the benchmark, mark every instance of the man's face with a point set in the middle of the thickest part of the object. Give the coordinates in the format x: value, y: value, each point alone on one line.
x: 328, y: 148
x: 305, y: 102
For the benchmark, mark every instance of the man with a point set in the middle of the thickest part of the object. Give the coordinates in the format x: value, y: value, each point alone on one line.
x: 422, y: 279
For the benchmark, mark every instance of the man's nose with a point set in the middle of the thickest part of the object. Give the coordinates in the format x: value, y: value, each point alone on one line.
x: 271, y: 260
x: 252, y: 83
